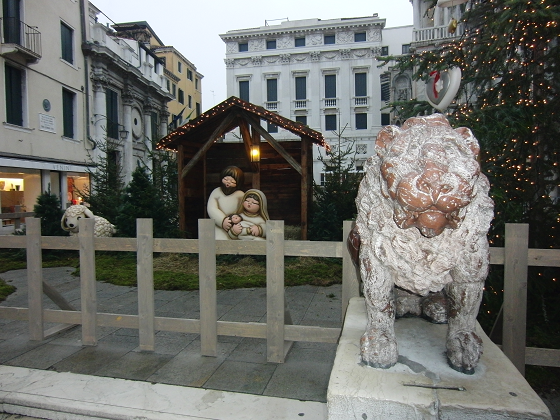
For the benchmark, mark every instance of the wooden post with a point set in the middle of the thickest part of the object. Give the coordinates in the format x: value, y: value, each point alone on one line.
x: 207, y: 287
x: 87, y: 282
x: 17, y: 221
x: 275, y: 291
x: 350, y: 279
x: 306, y: 184
x: 515, y: 293
x: 34, y: 277
x: 145, y: 277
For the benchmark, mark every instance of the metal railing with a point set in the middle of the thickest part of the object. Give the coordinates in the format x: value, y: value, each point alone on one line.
x: 19, y: 33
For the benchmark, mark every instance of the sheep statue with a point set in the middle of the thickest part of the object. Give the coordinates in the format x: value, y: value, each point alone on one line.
x: 69, y: 222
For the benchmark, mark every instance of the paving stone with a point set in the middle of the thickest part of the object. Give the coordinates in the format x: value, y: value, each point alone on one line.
x: 43, y: 356
x: 91, y: 359
x: 134, y: 365
x: 189, y: 368
x: 304, y: 376
x: 250, y: 350
x: 234, y: 376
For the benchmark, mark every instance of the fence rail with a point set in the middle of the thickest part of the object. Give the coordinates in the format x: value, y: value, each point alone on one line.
x: 278, y: 331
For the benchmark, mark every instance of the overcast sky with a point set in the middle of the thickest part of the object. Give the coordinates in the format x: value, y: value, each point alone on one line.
x: 193, y: 28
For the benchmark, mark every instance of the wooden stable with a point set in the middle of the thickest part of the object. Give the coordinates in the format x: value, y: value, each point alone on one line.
x: 282, y: 170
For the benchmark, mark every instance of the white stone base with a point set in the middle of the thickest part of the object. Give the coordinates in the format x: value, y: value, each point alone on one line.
x: 495, y: 391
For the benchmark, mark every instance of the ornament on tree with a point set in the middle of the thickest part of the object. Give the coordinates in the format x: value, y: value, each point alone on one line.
x: 442, y: 86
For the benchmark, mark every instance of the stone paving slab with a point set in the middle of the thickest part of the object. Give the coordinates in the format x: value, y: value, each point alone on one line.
x: 62, y: 396
x: 241, y: 364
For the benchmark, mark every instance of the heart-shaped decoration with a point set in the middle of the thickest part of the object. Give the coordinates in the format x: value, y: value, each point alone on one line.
x: 442, y: 86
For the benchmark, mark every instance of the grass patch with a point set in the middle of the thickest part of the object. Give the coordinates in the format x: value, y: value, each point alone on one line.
x: 180, y: 271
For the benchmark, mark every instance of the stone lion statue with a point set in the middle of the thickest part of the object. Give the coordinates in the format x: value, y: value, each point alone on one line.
x: 423, y: 216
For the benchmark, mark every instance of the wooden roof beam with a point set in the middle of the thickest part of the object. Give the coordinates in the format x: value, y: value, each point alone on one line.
x: 247, y: 140
x: 217, y: 133
x: 277, y: 146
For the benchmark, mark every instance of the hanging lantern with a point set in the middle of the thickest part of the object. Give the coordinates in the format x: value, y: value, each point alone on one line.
x: 255, y: 153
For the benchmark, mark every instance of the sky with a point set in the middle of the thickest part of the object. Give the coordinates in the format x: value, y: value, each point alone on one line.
x: 193, y: 28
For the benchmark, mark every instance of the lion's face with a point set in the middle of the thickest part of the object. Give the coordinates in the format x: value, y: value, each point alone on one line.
x: 429, y: 171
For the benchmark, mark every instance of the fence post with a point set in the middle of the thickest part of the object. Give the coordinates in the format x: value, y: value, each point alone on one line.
x: 350, y: 280
x: 34, y: 278
x: 275, y: 306
x: 145, y: 276
x: 515, y: 293
x: 87, y: 282
x: 207, y: 287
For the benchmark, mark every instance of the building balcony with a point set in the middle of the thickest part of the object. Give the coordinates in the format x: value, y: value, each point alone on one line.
x: 330, y: 102
x: 426, y: 36
x: 272, y: 105
x: 361, y: 101
x: 300, y: 104
x: 20, y: 39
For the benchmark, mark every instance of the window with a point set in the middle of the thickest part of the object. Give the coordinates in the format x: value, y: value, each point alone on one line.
x: 271, y: 128
x: 361, y: 121
x: 189, y: 74
x: 301, y: 88
x: 271, y: 90
x: 243, y: 46
x: 190, y: 101
x: 244, y: 90
x: 179, y: 67
x: 168, y: 85
x: 198, y: 109
x: 11, y: 21
x: 323, y: 181
x: 385, y: 87
x: 406, y: 48
x: 68, y: 106
x: 330, y: 122
x: 360, y: 84
x: 181, y: 98
x: 14, y: 78
x: 329, y: 39
x: 154, y: 125
x: 301, y: 119
x: 361, y: 149
x: 359, y: 37
x: 112, y: 112
x: 385, y: 119
x: 300, y: 42
x: 174, y: 90
x: 67, y: 42
x: 271, y: 44
x: 196, y: 83
x: 384, y: 50
x: 330, y: 86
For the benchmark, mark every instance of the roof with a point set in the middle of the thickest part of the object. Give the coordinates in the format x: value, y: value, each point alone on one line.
x: 203, y: 127
x: 136, y: 25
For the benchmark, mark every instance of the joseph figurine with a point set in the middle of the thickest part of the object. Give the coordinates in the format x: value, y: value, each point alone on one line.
x: 225, y: 200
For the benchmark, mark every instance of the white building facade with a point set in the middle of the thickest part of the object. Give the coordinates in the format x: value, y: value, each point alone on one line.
x: 43, y: 140
x: 68, y: 85
x: 128, y: 96
x: 323, y: 73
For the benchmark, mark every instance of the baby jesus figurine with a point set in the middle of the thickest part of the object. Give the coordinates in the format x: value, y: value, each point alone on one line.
x: 249, y: 223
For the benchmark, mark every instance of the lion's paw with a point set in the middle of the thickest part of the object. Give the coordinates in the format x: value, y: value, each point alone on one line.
x: 464, y: 349
x: 379, y: 349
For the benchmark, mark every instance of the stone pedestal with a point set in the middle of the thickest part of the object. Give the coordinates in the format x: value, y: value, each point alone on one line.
x: 422, y: 385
